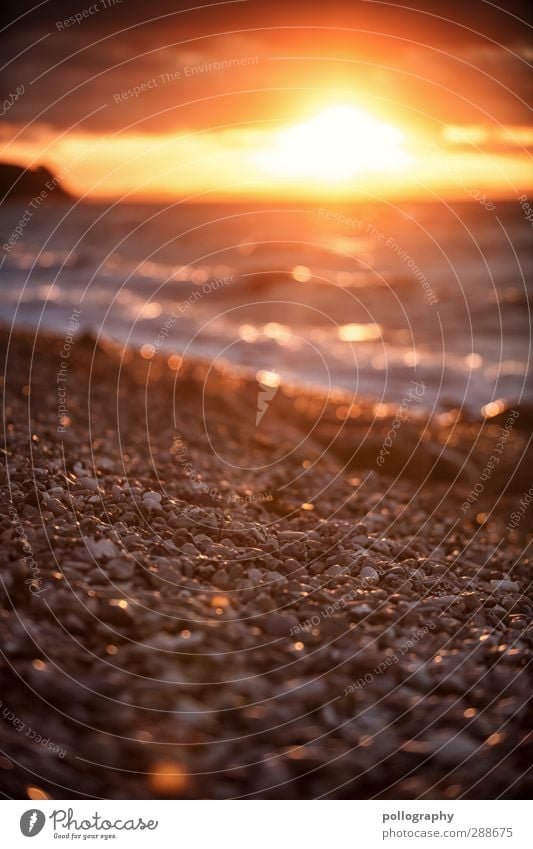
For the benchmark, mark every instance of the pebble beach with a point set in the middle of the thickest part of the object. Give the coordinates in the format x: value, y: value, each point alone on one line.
x: 196, y: 604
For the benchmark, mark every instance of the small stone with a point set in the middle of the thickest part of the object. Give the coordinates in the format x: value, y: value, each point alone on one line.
x: 255, y: 575
x: 77, y: 565
x: 236, y: 572
x: 89, y: 483
x: 451, y: 748
x: 505, y: 586
x: 54, y: 505
x: 102, y: 548
x: 368, y: 573
x: 272, y: 577
x: 361, y: 610
x: 152, y: 505
x: 221, y: 579
x: 120, y: 569
x: 361, y: 539
x: 279, y: 624
x: 444, y: 600
x: 290, y: 536
x: 151, y: 495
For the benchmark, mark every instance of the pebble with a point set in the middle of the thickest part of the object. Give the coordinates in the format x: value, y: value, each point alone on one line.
x: 221, y: 579
x: 279, y: 624
x: 368, y: 573
x: 451, y: 748
x: 505, y: 586
x: 89, y: 483
x: 121, y: 569
x: 151, y: 495
x: 255, y: 575
x: 101, y: 548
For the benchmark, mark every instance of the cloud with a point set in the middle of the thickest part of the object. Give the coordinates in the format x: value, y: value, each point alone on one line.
x: 425, y: 67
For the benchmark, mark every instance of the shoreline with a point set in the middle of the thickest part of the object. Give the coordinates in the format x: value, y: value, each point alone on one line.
x: 187, y: 637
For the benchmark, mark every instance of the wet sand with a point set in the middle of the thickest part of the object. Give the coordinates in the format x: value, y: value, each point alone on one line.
x: 195, y: 605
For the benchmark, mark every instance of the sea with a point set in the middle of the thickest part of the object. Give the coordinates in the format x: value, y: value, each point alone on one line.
x: 368, y: 297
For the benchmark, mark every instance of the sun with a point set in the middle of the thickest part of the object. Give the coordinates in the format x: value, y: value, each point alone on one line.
x: 337, y: 144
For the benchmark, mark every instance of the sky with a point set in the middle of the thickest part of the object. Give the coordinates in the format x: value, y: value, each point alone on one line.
x: 249, y: 99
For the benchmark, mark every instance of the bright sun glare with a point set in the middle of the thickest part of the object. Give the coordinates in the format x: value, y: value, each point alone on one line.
x: 338, y: 143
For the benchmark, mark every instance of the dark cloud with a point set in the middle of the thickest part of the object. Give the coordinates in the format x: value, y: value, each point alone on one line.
x: 434, y: 62
x: 504, y: 22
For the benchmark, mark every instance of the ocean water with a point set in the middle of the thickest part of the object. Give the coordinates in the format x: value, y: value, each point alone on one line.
x: 367, y: 297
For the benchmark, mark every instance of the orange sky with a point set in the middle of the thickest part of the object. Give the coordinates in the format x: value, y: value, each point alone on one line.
x: 222, y: 102
x: 225, y: 163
